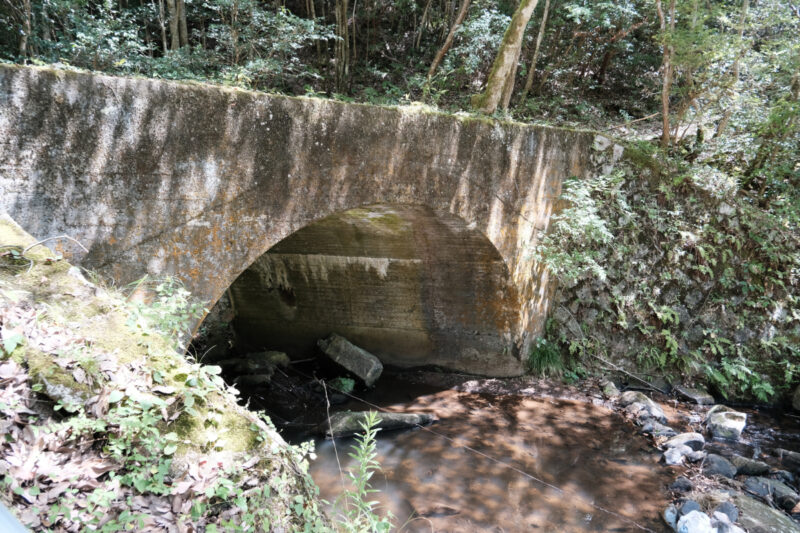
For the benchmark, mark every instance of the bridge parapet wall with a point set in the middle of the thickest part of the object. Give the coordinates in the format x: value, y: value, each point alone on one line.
x: 198, y: 181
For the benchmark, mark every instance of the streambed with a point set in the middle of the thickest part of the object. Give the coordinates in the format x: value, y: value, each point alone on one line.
x: 509, y: 462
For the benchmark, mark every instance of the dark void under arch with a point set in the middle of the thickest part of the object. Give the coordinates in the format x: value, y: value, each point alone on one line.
x: 413, y: 286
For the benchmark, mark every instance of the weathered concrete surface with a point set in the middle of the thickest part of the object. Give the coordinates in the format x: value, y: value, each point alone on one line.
x: 199, y: 181
x: 405, y: 284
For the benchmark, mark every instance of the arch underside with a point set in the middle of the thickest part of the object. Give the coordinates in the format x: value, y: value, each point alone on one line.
x: 413, y: 287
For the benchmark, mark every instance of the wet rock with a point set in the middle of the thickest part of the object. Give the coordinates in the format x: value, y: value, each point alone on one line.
x: 773, y: 490
x: 696, y: 457
x: 641, y: 407
x: 696, y: 395
x: 695, y: 522
x: 789, y: 459
x: 682, y: 484
x: 357, y: 360
x: 255, y: 363
x: 657, y: 429
x: 719, y: 466
x: 347, y: 423
x: 786, y: 477
x: 675, y: 454
x: 754, y: 516
x: 609, y: 389
x: 725, y: 423
x: 749, y: 467
x: 254, y: 380
x: 695, y: 441
x: 729, y: 510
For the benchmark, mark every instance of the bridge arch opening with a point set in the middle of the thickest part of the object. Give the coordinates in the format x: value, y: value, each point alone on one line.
x: 414, y: 287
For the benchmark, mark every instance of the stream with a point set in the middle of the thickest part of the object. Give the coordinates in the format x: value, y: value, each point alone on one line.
x: 505, y: 463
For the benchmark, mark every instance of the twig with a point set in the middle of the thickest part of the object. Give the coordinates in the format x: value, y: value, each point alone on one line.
x: 330, y: 428
x: 634, y: 376
x: 39, y: 243
x: 612, y: 365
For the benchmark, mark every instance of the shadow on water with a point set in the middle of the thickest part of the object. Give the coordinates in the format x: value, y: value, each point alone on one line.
x: 432, y: 482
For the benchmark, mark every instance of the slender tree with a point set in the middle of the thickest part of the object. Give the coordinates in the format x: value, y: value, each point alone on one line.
x: 666, y: 66
x: 448, y: 42
x: 532, y: 70
x: 504, y: 69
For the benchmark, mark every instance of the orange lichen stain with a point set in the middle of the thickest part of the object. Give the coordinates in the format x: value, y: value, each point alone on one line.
x: 112, y: 240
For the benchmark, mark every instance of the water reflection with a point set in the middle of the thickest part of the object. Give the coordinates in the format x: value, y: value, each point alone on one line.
x: 431, y: 483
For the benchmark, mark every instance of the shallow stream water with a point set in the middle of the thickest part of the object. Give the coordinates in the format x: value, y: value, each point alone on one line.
x: 508, y: 463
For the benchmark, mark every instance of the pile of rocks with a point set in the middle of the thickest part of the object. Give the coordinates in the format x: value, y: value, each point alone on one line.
x: 750, y: 486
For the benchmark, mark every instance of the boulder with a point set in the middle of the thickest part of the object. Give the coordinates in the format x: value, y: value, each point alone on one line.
x: 785, y: 476
x: 789, y: 459
x: 796, y: 399
x: 725, y: 423
x: 719, y: 466
x: 675, y: 454
x: 696, y: 395
x: 723, y: 524
x: 773, y: 490
x: 695, y: 522
x: 641, y: 407
x: 688, y: 506
x: 671, y: 516
x: 609, y: 389
x: 360, y: 362
x: 682, y: 484
x: 696, y: 457
x: 347, y: 423
x: 657, y: 429
x: 749, y: 467
x: 754, y: 516
x: 729, y: 510
x: 255, y: 363
x: 695, y: 441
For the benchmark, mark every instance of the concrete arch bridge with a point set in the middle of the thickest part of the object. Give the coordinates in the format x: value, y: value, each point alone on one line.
x: 408, y: 231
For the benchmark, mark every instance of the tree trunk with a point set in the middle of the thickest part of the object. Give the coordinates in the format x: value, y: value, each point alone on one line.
x: 182, y: 27
x: 448, y: 42
x: 174, y: 32
x: 666, y: 69
x: 726, y: 117
x: 422, y: 24
x: 342, y: 46
x: 26, y: 29
x: 542, y: 26
x: 505, y: 64
x: 162, y: 25
x: 600, y: 76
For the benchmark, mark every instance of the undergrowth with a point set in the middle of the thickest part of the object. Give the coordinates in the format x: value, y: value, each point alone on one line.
x: 663, y: 270
x: 116, y: 450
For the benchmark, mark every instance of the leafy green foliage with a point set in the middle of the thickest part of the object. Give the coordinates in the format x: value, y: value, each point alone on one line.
x: 697, y: 285
x: 171, y: 312
x: 343, y: 385
x: 545, y: 358
x: 569, y: 249
x: 358, y: 512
